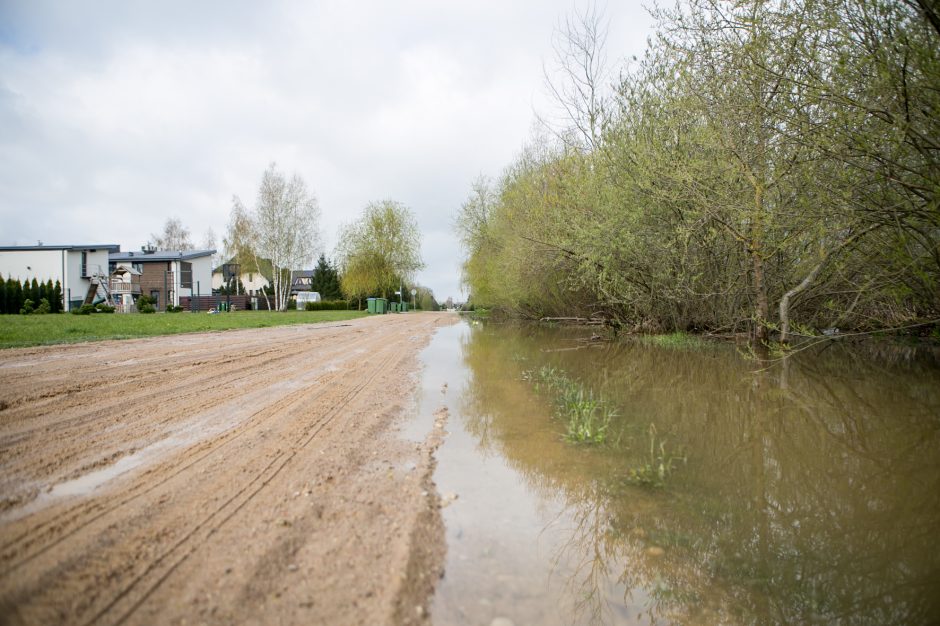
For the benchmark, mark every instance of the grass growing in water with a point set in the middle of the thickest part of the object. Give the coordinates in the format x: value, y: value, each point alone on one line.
x: 658, y: 466
x: 588, y: 420
x: 587, y: 417
x: 674, y: 341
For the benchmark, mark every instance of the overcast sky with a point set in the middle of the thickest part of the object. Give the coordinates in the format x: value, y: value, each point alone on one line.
x: 117, y: 115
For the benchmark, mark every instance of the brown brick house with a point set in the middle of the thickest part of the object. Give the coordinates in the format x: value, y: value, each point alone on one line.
x: 165, y: 275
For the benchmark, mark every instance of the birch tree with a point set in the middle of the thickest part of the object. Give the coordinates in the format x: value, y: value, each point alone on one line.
x: 286, y: 222
x: 283, y: 228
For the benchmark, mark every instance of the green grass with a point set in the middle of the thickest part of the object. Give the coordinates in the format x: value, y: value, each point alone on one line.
x: 18, y: 331
x: 675, y: 341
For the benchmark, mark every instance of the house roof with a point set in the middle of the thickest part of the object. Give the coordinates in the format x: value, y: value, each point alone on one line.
x: 160, y: 255
x: 301, y: 274
x: 110, y: 247
x: 121, y: 269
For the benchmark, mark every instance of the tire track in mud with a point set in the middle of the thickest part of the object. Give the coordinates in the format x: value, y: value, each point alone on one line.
x: 281, y: 460
x: 183, y: 394
x: 63, y: 398
x: 80, y: 519
x: 194, y: 388
x: 217, y: 444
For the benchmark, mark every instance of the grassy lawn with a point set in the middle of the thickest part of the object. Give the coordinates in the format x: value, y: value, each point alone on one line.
x: 18, y: 331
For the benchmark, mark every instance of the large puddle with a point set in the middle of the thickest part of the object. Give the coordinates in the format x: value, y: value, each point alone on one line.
x: 808, y: 492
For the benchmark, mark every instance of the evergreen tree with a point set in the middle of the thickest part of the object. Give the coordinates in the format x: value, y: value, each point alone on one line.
x: 8, y: 295
x: 325, y: 280
x: 33, y: 290
x: 3, y: 295
x: 15, y: 303
x: 56, y: 302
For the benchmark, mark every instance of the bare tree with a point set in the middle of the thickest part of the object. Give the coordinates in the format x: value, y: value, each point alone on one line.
x: 209, y: 242
x: 175, y: 236
x: 580, y: 77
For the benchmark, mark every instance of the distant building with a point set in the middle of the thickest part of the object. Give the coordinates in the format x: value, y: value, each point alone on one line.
x: 301, y: 281
x: 80, y: 269
x: 165, y: 275
x: 251, y: 278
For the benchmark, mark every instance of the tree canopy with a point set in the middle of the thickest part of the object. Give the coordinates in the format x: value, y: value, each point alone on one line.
x: 325, y: 280
x: 768, y: 167
x: 380, y: 251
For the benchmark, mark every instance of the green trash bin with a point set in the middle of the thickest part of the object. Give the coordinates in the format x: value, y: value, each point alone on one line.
x: 404, y: 307
x: 381, y: 306
x: 371, y: 305
x: 393, y: 307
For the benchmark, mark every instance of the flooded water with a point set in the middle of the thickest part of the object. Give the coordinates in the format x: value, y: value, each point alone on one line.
x: 807, y: 492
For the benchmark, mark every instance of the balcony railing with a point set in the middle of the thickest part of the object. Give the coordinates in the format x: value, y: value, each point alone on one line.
x: 121, y: 287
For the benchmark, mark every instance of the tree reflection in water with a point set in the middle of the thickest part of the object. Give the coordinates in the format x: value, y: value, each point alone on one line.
x: 811, y: 492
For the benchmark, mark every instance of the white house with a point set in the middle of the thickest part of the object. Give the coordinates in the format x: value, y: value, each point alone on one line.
x: 165, y: 275
x: 79, y: 268
x: 252, y: 280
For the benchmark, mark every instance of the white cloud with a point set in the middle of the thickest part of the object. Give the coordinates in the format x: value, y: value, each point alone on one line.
x: 117, y: 115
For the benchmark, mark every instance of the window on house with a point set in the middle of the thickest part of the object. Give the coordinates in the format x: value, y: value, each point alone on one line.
x: 251, y: 277
x: 84, y: 264
x: 155, y: 296
x: 186, y: 274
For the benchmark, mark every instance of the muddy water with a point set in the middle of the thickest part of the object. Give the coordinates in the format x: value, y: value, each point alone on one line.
x: 808, y: 492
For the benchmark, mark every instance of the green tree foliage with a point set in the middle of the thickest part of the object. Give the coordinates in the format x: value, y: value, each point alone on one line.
x: 380, y: 251
x: 57, y: 303
x: 325, y: 280
x: 767, y: 164
x: 14, y: 295
x: 425, y: 300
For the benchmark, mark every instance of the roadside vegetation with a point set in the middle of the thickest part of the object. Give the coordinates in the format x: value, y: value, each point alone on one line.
x: 33, y: 330
x: 768, y: 168
x: 586, y: 417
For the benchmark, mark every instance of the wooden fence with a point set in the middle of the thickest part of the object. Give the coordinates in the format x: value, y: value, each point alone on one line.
x: 215, y: 301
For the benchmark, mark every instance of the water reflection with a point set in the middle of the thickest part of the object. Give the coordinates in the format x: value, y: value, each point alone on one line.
x: 811, y: 493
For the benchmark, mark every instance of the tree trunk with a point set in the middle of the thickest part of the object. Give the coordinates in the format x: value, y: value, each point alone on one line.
x: 760, y: 292
x: 785, y: 301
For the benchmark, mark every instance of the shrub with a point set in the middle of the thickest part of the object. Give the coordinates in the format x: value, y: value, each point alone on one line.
x: 143, y: 300
x: 174, y: 309
x: 146, y: 308
x: 327, y: 305
x: 85, y: 309
x: 101, y: 307
x: 44, y: 307
x: 27, y: 307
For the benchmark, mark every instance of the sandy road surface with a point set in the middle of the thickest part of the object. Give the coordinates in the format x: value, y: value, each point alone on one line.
x: 250, y: 477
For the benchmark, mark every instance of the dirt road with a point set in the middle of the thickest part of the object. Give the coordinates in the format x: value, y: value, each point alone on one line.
x: 245, y: 477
